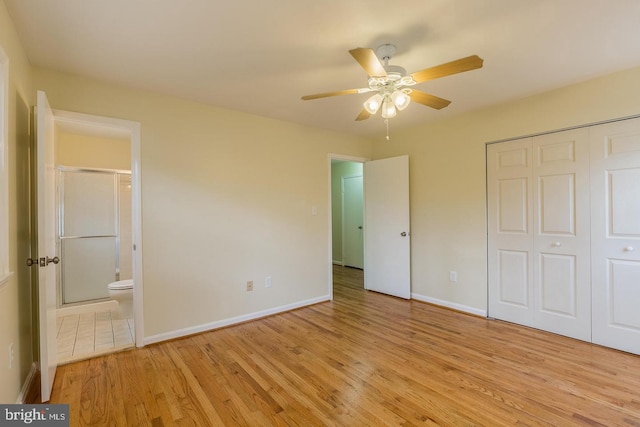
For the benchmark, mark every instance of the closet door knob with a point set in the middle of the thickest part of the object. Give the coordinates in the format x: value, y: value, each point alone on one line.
x: 628, y: 249
x: 556, y: 244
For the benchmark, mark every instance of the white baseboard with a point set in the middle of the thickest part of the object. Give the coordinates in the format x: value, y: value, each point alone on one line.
x: 27, y: 383
x: 231, y: 321
x: 340, y: 263
x: 449, y: 304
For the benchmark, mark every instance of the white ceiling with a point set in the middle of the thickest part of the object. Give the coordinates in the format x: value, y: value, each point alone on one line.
x: 261, y: 56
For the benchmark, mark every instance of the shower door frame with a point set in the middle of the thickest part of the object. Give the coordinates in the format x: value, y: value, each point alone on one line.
x: 61, y: 231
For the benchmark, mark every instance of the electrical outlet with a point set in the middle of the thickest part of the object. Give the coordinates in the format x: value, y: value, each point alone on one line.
x: 11, y: 355
x: 267, y: 282
x: 453, y: 276
x: 249, y: 285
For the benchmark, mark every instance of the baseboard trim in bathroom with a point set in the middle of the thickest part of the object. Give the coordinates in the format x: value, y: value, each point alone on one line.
x: 84, y: 308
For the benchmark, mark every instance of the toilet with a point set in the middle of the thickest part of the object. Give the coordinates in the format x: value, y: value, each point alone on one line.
x: 122, y: 292
x: 122, y: 289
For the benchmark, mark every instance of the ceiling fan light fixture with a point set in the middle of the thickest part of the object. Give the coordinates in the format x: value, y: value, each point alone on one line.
x: 407, y: 81
x: 388, y: 108
x: 400, y: 99
x: 392, y: 86
x: 372, y: 105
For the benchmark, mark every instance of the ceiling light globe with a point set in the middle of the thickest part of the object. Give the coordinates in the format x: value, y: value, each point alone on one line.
x: 372, y: 105
x: 388, y: 109
x: 400, y: 99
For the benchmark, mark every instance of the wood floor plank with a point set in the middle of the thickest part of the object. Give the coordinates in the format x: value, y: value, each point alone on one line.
x: 364, y: 359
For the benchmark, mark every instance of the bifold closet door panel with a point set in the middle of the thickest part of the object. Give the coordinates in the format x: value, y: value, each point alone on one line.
x: 510, y: 248
x: 615, y: 234
x: 561, y: 233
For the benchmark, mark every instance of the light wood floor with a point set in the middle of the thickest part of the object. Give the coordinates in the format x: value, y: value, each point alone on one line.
x: 364, y: 359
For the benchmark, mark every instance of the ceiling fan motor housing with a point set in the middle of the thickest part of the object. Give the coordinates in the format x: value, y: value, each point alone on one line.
x: 386, y: 51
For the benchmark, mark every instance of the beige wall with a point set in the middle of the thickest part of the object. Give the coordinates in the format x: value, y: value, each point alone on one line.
x: 339, y: 169
x: 15, y: 296
x: 447, y: 177
x: 226, y: 198
x: 92, y: 151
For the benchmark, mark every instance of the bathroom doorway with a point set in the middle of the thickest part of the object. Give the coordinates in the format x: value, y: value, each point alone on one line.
x: 95, y: 240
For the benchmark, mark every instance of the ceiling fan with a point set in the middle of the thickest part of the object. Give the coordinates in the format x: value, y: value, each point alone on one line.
x: 392, y: 84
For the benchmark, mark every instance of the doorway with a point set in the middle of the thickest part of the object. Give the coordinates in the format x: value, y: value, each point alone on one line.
x: 385, y: 226
x: 94, y: 243
x: 98, y: 235
x: 347, y: 214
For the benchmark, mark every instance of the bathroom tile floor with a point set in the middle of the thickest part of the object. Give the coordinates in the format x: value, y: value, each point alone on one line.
x: 93, y: 333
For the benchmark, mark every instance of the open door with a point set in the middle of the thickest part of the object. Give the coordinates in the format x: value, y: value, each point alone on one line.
x: 45, y: 189
x: 386, y: 239
x: 352, y: 222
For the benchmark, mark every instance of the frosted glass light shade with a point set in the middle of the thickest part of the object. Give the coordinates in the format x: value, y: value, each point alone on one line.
x: 400, y: 99
x: 372, y: 105
x: 388, y: 109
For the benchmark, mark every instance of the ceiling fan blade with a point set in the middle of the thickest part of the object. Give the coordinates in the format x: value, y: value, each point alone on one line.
x: 369, y: 61
x: 458, y: 66
x: 336, y: 93
x: 428, y: 100
x: 364, y: 115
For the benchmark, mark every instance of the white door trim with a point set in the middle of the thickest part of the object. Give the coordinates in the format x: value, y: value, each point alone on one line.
x: 330, y: 157
x: 128, y: 129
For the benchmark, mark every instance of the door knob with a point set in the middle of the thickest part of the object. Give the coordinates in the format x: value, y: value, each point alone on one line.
x: 44, y: 261
x: 403, y: 234
x: 628, y: 249
x: 556, y: 244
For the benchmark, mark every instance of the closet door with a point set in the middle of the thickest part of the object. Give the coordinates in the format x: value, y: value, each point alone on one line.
x: 561, y: 233
x: 510, y: 251
x: 615, y: 234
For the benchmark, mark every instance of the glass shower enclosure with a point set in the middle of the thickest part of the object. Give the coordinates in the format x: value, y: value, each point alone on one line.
x: 94, y: 225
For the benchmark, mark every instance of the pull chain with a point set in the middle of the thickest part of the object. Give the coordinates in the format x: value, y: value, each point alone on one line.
x: 386, y: 122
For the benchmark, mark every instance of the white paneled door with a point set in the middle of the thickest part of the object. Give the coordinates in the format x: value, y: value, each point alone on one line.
x: 46, y: 244
x: 538, y: 251
x: 615, y: 254
x: 387, y: 244
x: 561, y: 233
x: 353, y: 221
x: 510, y: 251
